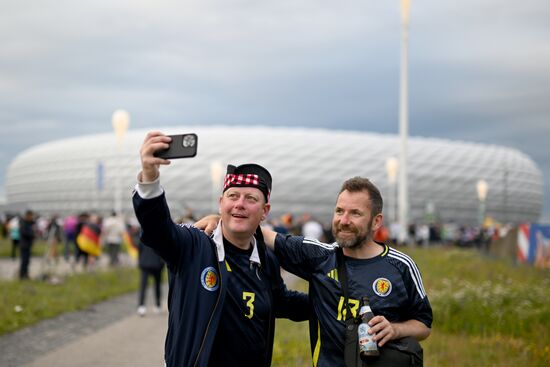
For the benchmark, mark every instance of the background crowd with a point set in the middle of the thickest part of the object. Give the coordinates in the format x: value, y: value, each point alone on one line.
x: 80, y: 239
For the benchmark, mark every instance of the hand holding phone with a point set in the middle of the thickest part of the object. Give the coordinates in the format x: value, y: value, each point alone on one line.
x: 181, y: 146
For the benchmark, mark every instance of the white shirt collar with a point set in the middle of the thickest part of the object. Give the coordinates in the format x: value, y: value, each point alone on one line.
x: 217, y: 236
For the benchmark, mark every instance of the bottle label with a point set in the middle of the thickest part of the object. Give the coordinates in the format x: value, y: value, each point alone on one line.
x: 366, y: 344
x: 364, y: 309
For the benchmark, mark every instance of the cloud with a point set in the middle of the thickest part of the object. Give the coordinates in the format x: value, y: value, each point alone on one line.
x: 479, y: 70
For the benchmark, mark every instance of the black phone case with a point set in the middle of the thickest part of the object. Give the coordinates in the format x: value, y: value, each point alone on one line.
x: 182, y: 146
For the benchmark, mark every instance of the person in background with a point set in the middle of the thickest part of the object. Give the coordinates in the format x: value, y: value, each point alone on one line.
x: 54, y: 238
x: 27, y: 233
x: 3, y: 225
x: 312, y: 228
x: 287, y: 220
x: 14, y: 233
x: 278, y: 226
x: 150, y: 265
x: 382, y: 235
x: 69, y: 231
x: 78, y: 253
x: 112, y: 233
x: 89, y: 240
x: 94, y: 248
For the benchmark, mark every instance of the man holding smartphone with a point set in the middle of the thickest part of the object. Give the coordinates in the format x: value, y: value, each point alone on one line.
x: 225, y: 290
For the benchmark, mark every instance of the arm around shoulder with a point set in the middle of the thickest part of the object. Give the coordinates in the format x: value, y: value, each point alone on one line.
x: 269, y: 237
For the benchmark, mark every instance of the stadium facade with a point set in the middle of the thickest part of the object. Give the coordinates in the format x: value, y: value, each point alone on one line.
x: 308, y: 168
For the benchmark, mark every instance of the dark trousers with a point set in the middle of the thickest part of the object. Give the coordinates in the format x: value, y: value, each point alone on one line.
x: 25, y: 260
x: 113, y: 249
x: 69, y: 242
x: 80, y: 254
x: 14, y: 245
x: 145, y: 273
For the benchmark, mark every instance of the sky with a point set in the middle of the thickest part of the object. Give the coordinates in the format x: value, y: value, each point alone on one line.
x: 479, y: 70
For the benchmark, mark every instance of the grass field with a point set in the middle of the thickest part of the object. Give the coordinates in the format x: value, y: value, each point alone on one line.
x: 487, y: 312
x: 25, y: 303
x: 38, y: 248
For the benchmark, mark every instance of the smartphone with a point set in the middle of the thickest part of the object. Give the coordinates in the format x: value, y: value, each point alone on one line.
x: 181, y: 146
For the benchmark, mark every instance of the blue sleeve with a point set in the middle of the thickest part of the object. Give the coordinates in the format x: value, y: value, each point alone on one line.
x: 288, y: 304
x: 173, y: 242
x: 424, y: 313
x: 292, y: 305
x: 300, y: 255
x: 420, y: 308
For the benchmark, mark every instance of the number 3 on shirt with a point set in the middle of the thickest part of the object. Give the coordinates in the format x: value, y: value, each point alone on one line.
x: 249, y: 298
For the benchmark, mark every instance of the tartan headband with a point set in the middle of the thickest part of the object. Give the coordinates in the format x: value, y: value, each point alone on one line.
x: 248, y: 175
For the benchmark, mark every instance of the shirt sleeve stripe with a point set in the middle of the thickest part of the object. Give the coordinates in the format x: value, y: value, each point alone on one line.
x: 328, y: 246
x: 413, y: 269
x: 415, y: 273
x: 407, y: 259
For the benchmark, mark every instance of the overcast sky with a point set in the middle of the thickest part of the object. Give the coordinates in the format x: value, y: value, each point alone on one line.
x: 479, y: 69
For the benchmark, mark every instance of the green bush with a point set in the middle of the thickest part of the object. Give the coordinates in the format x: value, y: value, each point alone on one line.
x: 476, y: 295
x: 487, y: 312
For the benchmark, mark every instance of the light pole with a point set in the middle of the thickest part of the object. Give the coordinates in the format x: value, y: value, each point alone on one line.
x: 391, y: 168
x: 121, y: 121
x: 404, y: 122
x: 216, y: 172
x: 482, y: 188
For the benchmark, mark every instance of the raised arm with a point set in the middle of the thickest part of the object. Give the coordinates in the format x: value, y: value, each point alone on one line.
x: 158, y: 229
x: 155, y: 140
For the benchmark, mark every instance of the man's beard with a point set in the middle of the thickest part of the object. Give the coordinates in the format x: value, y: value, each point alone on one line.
x: 355, y: 242
x: 358, y: 240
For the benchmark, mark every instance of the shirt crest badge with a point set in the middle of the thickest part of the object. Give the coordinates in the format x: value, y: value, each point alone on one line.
x: 382, y: 287
x: 210, y: 279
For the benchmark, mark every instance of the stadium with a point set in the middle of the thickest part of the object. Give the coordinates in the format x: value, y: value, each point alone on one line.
x: 308, y: 167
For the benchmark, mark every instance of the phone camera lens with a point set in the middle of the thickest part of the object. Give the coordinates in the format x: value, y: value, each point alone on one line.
x: 188, y: 141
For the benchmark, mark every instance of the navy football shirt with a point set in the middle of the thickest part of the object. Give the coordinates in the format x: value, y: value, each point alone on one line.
x: 391, y: 281
x: 244, y: 326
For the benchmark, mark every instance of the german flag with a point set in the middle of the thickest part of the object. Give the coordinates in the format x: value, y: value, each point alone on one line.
x: 130, y: 246
x: 88, y: 241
